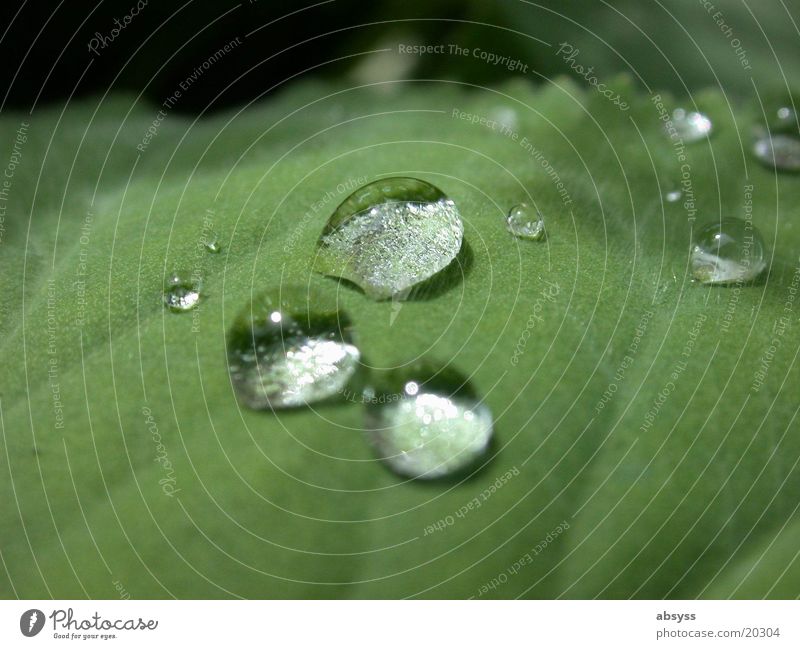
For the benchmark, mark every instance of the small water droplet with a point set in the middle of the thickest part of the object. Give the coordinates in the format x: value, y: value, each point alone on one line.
x: 506, y: 117
x: 289, y: 349
x: 389, y: 236
x: 785, y: 120
x: 212, y: 243
x: 525, y: 222
x: 181, y: 293
x: 673, y: 196
x: 427, y: 424
x: 727, y: 252
x: 779, y: 151
x: 691, y: 126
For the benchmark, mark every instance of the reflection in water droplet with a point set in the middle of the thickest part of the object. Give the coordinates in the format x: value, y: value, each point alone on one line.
x: 389, y: 236
x: 181, y: 293
x: 779, y: 151
x: 290, y: 348
x: 727, y: 252
x: 691, y: 126
x: 212, y: 243
x: 525, y: 222
x: 673, y: 196
x: 426, y: 425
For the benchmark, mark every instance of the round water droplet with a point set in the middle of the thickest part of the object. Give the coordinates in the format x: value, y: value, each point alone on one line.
x: 212, y: 243
x: 290, y: 348
x: 389, y: 236
x: 506, y: 117
x: 673, y: 196
x: 779, y: 151
x: 691, y: 126
x: 525, y: 222
x: 181, y: 293
x: 426, y: 424
x: 727, y: 252
x: 785, y: 120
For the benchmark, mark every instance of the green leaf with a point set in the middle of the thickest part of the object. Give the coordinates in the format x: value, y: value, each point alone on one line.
x: 129, y: 465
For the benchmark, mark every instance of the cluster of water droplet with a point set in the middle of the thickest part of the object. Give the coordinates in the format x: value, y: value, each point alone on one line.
x: 291, y: 348
x: 777, y: 143
x: 731, y: 250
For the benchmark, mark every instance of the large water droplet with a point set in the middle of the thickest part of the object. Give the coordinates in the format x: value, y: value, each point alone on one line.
x: 426, y: 424
x: 181, y: 292
x: 290, y: 348
x: 389, y: 236
x: 778, y: 150
x: 727, y: 252
x: 525, y: 222
x: 691, y: 126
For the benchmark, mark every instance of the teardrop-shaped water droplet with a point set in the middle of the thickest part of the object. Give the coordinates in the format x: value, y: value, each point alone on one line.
x: 290, y: 348
x: 691, y: 126
x: 525, y: 222
x: 427, y: 424
x: 673, y: 196
x: 727, y: 252
x: 212, y: 243
x: 181, y: 292
x: 389, y: 236
x: 778, y: 150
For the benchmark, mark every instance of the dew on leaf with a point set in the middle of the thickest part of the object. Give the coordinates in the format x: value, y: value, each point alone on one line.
x: 181, y: 292
x: 212, y: 243
x: 727, y: 252
x: 289, y: 348
x: 780, y: 151
x: 426, y: 424
x: 389, y: 236
x: 525, y: 222
x: 691, y: 126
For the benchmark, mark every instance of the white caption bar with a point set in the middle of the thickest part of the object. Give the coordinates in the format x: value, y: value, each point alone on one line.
x: 405, y: 624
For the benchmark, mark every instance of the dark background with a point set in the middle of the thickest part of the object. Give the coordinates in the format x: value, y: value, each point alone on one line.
x: 672, y: 44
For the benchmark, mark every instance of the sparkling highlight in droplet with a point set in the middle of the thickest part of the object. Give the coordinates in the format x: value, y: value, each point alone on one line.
x: 425, y: 424
x: 525, y: 222
x: 727, y: 252
x: 289, y: 349
x: 691, y: 126
x: 181, y: 293
x: 390, y: 235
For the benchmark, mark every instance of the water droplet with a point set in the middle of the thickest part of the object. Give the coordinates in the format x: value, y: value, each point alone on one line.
x: 779, y: 151
x: 290, y: 348
x: 525, y: 222
x: 727, y: 252
x: 389, y: 236
x: 212, y: 243
x: 427, y: 424
x: 785, y: 120
x: 181, y: 293
x: 691, y: 126
x: 673, y: 196
x: 506, y: 117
